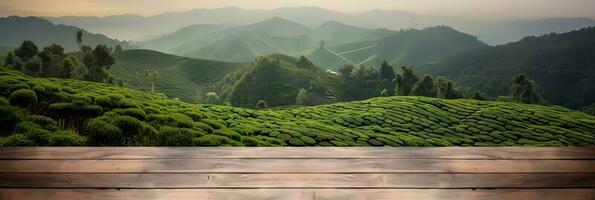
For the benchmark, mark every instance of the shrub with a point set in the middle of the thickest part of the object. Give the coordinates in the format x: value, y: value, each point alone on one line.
x: 228, y: 133
x: 24, y: 98
x: 89, y: 111
x: 43, y: 121
x: 214, y: 141
x: 261, y: 104
x: 66, y: 138
x: 104, y: 102
x: 17, y: 140
x: 8, y: 120
x: 33, y: 131
x: 296, y: 142
x: 308, y: 140
x: 61, y: 109
x: 3, y: 101
x: 170, y: 136
x: 216, y: 124
x: 133, y: 112
x: 128, y: 103
x: 102, y: 133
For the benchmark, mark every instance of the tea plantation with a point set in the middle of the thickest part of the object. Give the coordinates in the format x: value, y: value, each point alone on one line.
x: 64, y: 112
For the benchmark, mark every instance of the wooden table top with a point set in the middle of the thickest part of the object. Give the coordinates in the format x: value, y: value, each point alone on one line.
x: 461, y: 173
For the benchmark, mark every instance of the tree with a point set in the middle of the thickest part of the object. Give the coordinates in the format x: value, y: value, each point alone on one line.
x: 384, y: 93
x: 51, y: 60
x: 152, y: 75
x: 523, y: 90
x: 445, y: 88
x: 425, y: 87
x: 261, y: 104
x: 118, y: 49
x: 386, y: 71
x: 346, y: 70
x: 33, y: 67
x: 14, y: 62
x: 26, y: 51
x: 304, y: 63
x: 212, y: 98
x: 98, y: 63
x: 79, y: 39
x: 302, y: 97
x: 478, y: 96
x: 405, y: 81
x: 68, y: 68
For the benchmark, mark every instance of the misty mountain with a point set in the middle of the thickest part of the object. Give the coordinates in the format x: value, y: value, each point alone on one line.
x: 410, y: 47
x: 43, y: 33
x: 244, y: 43
x: 561, y: 64
x: 135, y: 27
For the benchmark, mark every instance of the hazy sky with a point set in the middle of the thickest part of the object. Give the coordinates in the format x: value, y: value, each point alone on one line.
x: 495, y: 9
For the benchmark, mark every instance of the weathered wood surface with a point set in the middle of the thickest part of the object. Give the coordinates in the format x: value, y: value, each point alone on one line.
x: 117, y: 153
x: 297, y: 173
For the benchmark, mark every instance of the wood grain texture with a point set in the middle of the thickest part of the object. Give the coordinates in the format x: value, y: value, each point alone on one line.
x: 297, y: 166
x: 273, y: 181
x: 498, y: 153
x: 299, y: 194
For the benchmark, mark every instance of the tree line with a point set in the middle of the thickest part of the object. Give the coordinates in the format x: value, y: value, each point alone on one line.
x: 91, y: 64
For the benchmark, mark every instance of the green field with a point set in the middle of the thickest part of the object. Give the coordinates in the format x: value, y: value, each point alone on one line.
x: 179, y: 77
x: 65, y: 112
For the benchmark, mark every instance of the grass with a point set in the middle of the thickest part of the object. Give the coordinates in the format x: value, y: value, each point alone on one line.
x: 117, y: 116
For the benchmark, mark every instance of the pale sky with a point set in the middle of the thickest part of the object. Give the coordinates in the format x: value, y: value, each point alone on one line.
x: 491, y: 9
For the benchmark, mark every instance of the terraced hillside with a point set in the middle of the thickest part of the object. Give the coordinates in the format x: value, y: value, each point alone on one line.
x: 61, y: 112
x: 185, y: 78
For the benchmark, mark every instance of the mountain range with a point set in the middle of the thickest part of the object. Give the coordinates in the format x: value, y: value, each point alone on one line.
x: 14, y: 30
x: 139, y: 28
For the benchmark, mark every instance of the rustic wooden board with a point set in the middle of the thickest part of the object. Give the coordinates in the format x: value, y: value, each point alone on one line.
x: 96, y: 153
x: 282, y: 181
x: 297, y: 166
x: 299, y: 194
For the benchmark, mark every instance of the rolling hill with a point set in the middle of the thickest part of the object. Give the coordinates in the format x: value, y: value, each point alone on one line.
x: 277, y: 80
x: 561, y: 64
x: 185, y: 78
x: 246, y: 42
x: 325, y: 58
x: 43, y: 33
x: 108, y: 115
x: 410, y: 47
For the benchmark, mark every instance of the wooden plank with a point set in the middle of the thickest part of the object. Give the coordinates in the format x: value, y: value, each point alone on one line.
x: 524, y: 153
x: 297, y: 166
x: 299, y: 194
x: 254, y: 181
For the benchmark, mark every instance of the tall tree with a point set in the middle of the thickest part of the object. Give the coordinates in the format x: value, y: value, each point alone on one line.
x: 26, y: 51
x: 386, y: 71
x: 425, y: 87
x: 68, y: 68
x: 302, y: 97
x: 98, y: 63
x: 405, y: 81
x: 51, y: 59
x: 478, y: 96
x: 523, y: 90
x: 152, y: 75
x: 79, y: 39
x: 445, y: 88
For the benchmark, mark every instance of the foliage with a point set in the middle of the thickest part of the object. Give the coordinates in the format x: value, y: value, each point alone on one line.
x: 261, y: 104
x: 405, y: 81
x: 24, y: 98
x: 524, y: 90
x: 386, y: 121
x: 27, y: 50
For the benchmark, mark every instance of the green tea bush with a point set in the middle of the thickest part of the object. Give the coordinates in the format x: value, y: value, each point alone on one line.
x: 128, y: 103
x: 8, y: 120
x: 215, y: 140
x: 170, y: 136
x: 102, y: 133
x: 43, y: 121
x: 66, y: 138
x: 3, y: 101
x: 24, y: 98
x: 17, y: 140
x: 228, y: 133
